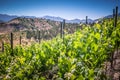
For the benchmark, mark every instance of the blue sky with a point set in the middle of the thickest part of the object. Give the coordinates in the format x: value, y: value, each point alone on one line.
x: 68, y: 9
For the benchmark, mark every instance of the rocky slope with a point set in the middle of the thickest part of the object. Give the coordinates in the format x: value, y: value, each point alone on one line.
x: 26, y: 24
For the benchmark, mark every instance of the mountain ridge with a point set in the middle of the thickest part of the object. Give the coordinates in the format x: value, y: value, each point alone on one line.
x: 6, y: 18
x: 66, y: 20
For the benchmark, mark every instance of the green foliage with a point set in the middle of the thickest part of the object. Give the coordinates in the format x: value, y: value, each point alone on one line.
x: 79, y: 56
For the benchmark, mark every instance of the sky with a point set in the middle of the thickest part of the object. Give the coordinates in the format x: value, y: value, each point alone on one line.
x: 67, y: 9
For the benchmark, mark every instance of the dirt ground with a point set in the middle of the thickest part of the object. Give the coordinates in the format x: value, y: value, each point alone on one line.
x: 113, y: 71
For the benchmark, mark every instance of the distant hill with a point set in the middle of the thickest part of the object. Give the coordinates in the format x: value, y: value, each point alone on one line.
x: 110, y: 16
x: 31, y: 24
x: 61, y: 19
x: 67, y: 21
x: 53, y: 18
x: 17, y: 24
x: 6, y: 18
x: 1, y: 21
x: 73, y: 21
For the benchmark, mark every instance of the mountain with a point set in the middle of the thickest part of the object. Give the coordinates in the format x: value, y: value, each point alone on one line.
x: 6, y: 18
x: 28, y: 17
x: 110, y: 16
x: 73, y: 21
x: 89, y: 21
x: 61, y: 19
x: 67, y: 21
x: 18, y: 24
x: 53, y: 18
x: 1, y: 21
x: 30, y: 27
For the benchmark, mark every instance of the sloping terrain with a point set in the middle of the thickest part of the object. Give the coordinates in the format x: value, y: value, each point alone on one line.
x: 23, y: 24
x: 29, y: 28
x: 31, y: 24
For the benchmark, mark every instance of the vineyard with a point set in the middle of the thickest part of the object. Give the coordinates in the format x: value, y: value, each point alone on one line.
x: 80, y: 56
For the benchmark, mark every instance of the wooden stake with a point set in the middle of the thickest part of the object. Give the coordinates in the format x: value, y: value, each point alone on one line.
x: 86, y: 19
x: 116, y: 15
x: 20, y: 40
x: 63, y: 27
x: 2, y: 46
x: 61, y: 30
x: 39, y: 36
x: 11, y: 42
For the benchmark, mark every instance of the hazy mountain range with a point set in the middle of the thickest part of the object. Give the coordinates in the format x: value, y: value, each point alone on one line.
x: 67, y: 21
x: 110, y: 16
x: 6, y: 18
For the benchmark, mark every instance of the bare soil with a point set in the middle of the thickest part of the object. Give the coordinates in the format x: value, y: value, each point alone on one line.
x: 113, y: 70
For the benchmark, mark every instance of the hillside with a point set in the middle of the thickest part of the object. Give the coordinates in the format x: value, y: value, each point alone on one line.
x: 25, y: 23
x: 20, y: 24
x: 29, y: 29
